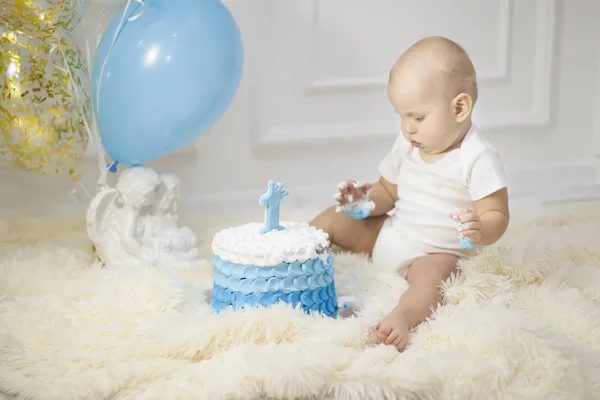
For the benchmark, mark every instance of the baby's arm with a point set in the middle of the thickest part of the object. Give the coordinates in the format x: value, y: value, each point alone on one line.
x: 384, y: 194
x: 494, y: 215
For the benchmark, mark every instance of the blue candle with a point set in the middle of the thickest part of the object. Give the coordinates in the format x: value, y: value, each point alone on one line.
x: 271, y: 201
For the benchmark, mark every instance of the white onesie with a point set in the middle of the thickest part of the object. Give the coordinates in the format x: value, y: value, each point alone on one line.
x: 420, y: 222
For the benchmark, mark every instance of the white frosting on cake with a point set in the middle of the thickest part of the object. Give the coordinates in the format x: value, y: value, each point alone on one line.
x: 246, y: 245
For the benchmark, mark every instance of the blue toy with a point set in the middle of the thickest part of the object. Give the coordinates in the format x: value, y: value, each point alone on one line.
x: 360, y: 211
x: 465, y: 242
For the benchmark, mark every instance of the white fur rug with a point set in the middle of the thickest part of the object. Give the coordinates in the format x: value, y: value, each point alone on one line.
x: 522, y: 321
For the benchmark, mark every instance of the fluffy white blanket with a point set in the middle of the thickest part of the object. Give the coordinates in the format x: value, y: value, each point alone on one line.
x: 521, y: 321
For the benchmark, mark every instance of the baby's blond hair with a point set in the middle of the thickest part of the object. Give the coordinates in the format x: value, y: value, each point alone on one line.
x: 445, y: 60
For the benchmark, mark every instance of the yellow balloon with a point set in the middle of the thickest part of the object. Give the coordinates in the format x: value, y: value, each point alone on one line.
x: 42, y: 19
x: 44, y: 103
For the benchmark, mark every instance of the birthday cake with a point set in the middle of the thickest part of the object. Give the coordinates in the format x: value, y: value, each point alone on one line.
x: 260, y: 265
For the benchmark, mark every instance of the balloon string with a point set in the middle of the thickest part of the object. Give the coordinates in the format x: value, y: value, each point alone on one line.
x: 92, y: 134
x: 73, y: 192
x: 114, y: 40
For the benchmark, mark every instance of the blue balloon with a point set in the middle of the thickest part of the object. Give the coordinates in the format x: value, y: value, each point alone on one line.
x: 170, y: 76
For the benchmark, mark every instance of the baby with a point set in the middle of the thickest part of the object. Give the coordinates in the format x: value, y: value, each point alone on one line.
x: 442, y: 191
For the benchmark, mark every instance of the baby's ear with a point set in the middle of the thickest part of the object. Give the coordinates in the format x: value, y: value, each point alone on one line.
x: 462, y: 105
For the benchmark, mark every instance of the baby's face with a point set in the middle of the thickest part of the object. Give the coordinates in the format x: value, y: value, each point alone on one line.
x: 428, y: 118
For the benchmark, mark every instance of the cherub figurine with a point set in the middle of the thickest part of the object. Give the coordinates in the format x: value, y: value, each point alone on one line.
x: 135, y: 223
x: 163, y: 224
x: 168, y: 197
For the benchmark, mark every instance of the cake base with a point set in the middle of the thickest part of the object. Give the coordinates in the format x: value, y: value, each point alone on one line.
x: 309, y: 285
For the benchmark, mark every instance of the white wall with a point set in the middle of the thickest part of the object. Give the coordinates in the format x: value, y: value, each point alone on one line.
x: 312, y: 110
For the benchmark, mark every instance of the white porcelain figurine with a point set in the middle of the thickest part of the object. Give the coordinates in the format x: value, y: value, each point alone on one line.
x: 136, y: 223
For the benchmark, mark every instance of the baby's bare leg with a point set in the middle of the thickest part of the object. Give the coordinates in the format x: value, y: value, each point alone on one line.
x: 355, y: 235
x: 423, y: 293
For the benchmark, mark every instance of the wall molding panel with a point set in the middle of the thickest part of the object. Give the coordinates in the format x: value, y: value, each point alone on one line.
x: 538, y: 113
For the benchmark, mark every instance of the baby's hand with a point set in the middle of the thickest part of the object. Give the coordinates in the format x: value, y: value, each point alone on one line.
x: 350, y: 193
x: 353, y: 200
x: 468, y: 224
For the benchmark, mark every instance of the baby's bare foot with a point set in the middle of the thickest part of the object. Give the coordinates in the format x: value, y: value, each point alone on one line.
x: 393, y: 330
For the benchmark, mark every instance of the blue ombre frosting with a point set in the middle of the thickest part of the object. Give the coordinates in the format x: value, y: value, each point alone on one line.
x: 309, y: 284
x: 309, y: 275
